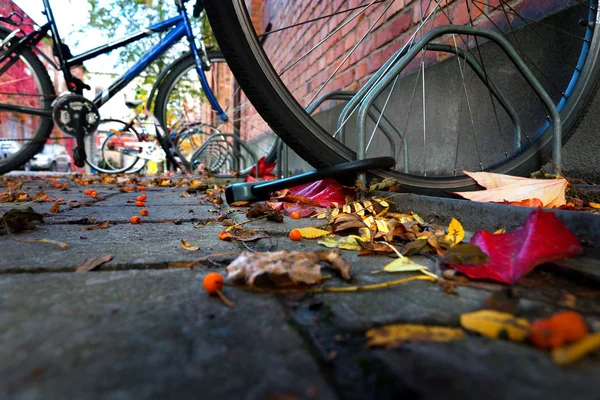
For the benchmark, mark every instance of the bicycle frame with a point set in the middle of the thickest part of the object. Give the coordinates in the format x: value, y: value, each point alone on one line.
x: 177, y: 27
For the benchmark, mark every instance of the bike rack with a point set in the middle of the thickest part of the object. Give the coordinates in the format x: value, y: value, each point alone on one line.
x: 366, y: 96
x: 347, y: 96
x: 226, y: 152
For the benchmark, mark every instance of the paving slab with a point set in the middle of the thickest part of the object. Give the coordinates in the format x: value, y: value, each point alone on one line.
x: 147, y: 334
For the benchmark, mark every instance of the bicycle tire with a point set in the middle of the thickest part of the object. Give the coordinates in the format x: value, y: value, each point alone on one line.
x: 168, y: 85
x: 253, y: 70
x: 44, y: 126
x: 103, y: 159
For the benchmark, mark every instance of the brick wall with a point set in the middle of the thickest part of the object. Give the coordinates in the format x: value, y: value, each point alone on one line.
x: 385, y: 26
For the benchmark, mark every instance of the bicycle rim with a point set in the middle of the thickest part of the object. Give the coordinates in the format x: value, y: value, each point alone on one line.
x: 25, y: 82
x: 181, y: 104
x: 482, y: 136
x: 113, y: 155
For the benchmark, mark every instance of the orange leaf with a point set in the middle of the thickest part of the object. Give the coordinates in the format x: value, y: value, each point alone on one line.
x: 505, y: 188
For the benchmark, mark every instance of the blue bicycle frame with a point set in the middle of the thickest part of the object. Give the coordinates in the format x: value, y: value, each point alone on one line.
x: 177, y: 27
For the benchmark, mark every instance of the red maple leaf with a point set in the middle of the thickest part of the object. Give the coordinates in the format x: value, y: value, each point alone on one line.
x: 543, y: 238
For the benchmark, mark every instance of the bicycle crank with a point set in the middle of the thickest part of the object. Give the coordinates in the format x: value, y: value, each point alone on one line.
x: 76, y: 116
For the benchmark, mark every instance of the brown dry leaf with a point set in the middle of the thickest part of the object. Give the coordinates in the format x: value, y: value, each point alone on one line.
x: 464, y: 254
x: 283, y: 268
x: 391, y: 336
x: 55, y: 209
x: 239, y: 204
x: 92, y: 263
x: 103, y: 225
x: 334, y: 258
x: 188, y: 246
x: 418, y: 246
x: 260, y: 210
x: 350, y: 242
x: 496, y: 325
x: 248, y: 235
x: 501, y: 188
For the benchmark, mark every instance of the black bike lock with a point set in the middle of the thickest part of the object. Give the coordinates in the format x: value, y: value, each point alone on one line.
x: 260, y: 191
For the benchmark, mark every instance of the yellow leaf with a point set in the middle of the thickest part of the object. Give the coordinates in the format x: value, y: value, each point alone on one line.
x: 456, y: 233
x: 368, y: 205
x: 347, y: 209
x: 569, y: 354
x: 383, y: 203
x: 335, y: 212
x: 359, y: 209
x: 496, y: 325
x: 417, y: 218
x: 594, y: 205
x: 342, y: 242
x: 395, y: 335
x: 321, y: 216
x: 369, y: 221
x: 382, y: 226
x: 500, y: 231
x: 312, y: 233
x: 187, y: 246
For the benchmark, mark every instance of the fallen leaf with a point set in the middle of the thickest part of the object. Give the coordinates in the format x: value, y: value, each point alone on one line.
x: 239, y: 204
x: 323, y: 193
x: 312, y: 233
x: 248, y: 235
x: 19, y: 220
x: 48, y: 241
x: 594, y: 205
x: 103, y: 225
x: 535, y: 203
x: 283, y: 268
x: 391, y: 336
x: 501, y: 188
x: 188, y: 246
x: 496, y: 325
x: 456, y: 232
x: 466, y: 254
x: 334, y: 258
x: 93, y: 263
x: 569, y: 354
x: 55, y: 209
x: 403, y: 264
x: 342, y: 242
x: 225, y: 236
x: 263, y: 210
x: 543, y: 238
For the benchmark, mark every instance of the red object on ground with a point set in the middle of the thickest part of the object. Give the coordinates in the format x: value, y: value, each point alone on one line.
x: 307, y: 198
x: 541, y: 239
x: 265, y: 171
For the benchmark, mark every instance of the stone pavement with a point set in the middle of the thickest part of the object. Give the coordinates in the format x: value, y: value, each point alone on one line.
x: 136, y: 328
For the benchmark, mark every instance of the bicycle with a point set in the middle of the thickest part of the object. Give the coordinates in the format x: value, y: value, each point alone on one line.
x: 285, y: 66
x: 126, y: 147
x: 30, y: 105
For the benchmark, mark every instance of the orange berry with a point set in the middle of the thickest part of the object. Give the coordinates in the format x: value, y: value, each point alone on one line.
x: 88, y: 192
x: 142, y: 197
x: 144, y: 212
x: 296, y: 215
x: 295, y: 235
x: 213, y: 283
x: 141, y: 188
x: 93, y: 193
x: 135, y: 219
x: 129, y: 189
x: 211, y: 194
x: 570, y: 324
x: 58, y: 185
x: 140, y: 204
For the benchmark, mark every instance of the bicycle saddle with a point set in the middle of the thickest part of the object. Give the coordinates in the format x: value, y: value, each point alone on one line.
x: 133, y: 103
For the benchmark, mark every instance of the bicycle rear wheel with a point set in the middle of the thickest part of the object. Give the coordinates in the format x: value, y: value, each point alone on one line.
x: 181, y: 104
x: 116, y: 154
x: 25, y: 82
x: 446, y: 116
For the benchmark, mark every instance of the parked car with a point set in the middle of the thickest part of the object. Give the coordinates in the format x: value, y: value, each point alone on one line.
x: 8, y: 148
x: 54, y: 157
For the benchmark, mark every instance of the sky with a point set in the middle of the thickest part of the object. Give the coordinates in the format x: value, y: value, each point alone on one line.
x: 71, y: 16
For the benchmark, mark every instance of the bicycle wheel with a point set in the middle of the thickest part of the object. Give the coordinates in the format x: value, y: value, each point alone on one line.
x: 190, y: 137
x: 440, y: 116
x: 25, y: 82
x: 117, y: 151
x: 180, y: 98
